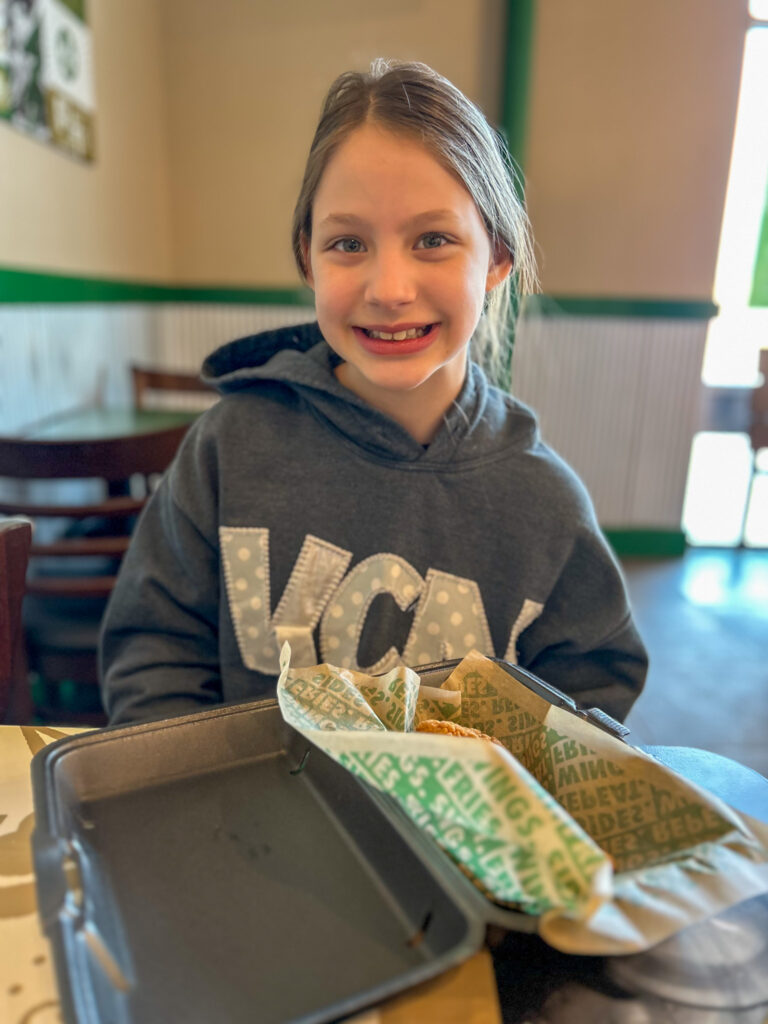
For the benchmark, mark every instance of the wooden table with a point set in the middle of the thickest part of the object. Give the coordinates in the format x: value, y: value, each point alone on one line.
x: 27, y: 984
x: 97, y: 424
x: 111, y: 444
x: 28, y: 995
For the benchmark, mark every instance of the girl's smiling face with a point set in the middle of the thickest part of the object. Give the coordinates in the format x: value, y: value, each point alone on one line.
x: 400, y: 263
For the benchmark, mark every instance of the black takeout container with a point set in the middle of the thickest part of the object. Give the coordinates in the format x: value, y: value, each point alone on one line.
x: 220, y: 867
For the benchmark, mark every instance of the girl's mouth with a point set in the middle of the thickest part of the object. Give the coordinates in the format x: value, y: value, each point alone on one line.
x: 409, y: 335
x: 396, y: 343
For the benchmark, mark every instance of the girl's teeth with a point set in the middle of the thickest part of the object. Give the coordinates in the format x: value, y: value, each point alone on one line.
x: 414, y: 332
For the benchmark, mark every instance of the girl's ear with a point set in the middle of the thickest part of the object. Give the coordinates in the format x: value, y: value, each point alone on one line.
x: 499, y: 270
x: 306, y: 262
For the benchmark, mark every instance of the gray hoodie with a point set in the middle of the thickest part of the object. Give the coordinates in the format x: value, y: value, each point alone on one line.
x: 295, y: 511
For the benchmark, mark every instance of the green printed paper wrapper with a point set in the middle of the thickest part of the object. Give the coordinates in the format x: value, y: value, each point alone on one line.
x: 611, y: 851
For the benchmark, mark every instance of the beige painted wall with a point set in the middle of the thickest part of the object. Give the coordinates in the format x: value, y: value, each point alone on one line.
x: 631, y: 122
x: 109, y: 218
x: 204, y: 119
x: 245, y: 86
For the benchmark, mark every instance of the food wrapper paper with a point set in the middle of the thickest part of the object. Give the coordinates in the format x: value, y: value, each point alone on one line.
x: 611, y: 850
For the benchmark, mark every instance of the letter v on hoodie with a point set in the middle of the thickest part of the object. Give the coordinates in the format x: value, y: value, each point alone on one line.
x: 295, y: 511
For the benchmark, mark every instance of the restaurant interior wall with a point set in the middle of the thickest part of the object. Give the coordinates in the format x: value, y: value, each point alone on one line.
x: 110, y: 217
x: 244, y: 90
x: 629, y: 127
x: 632, y: 115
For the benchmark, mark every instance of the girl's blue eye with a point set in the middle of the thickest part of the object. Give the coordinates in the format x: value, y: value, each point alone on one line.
x: 433, y: 240
x: 351, y: 245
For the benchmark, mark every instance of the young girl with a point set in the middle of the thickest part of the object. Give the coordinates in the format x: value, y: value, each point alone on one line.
x: 361, y: 490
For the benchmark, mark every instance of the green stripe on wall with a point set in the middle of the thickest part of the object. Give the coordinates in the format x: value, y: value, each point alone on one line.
x: 646, y: 543
x: 651, y: 308
x: 25, y: 286
x: 18, y: 286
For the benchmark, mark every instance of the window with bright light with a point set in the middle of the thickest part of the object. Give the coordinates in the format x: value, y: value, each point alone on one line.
x: 736, y: 335
x: 723, y: 507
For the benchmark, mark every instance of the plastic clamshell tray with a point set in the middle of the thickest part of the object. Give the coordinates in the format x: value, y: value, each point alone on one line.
x: 220, y: 867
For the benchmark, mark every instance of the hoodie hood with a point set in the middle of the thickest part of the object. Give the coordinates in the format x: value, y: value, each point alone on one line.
x: 483, y: 422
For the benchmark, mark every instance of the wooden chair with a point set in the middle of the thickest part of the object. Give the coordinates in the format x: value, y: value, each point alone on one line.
x: 149, y: 383
x: 15, y: 537
x: 73, y: 570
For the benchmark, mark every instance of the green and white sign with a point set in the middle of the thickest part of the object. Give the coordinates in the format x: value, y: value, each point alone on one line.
x: 46, y: 72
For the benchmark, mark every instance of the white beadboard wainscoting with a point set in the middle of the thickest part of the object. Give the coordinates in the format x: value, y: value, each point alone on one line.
x: 186, y: 333
x: 617, y: 397
x: 55, y: 357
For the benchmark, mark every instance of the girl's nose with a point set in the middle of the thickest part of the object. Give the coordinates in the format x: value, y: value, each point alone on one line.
x: 391, y: 281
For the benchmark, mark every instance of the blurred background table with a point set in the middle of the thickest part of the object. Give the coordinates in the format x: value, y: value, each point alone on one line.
x: 98, y: 424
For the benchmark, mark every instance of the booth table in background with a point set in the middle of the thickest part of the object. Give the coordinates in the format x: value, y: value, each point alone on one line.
x: 97, y: 424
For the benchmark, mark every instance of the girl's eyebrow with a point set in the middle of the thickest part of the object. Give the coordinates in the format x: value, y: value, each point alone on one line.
x: 353, y: 220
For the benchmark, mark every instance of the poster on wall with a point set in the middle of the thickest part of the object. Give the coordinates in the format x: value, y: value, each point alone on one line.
x: 46, y: 72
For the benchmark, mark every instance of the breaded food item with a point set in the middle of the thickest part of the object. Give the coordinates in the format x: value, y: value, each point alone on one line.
x: 507, y: 904
x: 442, y: 728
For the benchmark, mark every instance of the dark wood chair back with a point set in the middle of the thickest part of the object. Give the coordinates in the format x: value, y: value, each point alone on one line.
x: 110, y: 461
x: 15, y: 538
x: 758, y: 430
x: 147, y: 381
x: 73, y: 568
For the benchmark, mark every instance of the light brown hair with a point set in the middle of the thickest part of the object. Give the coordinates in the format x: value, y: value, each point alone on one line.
x: 411, y: 98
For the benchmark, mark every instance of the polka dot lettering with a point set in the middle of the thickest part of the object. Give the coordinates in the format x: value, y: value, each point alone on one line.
x: 530, y: 611
x: 319, y: 568
x: 342, y: 622
x: 450, y: 613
